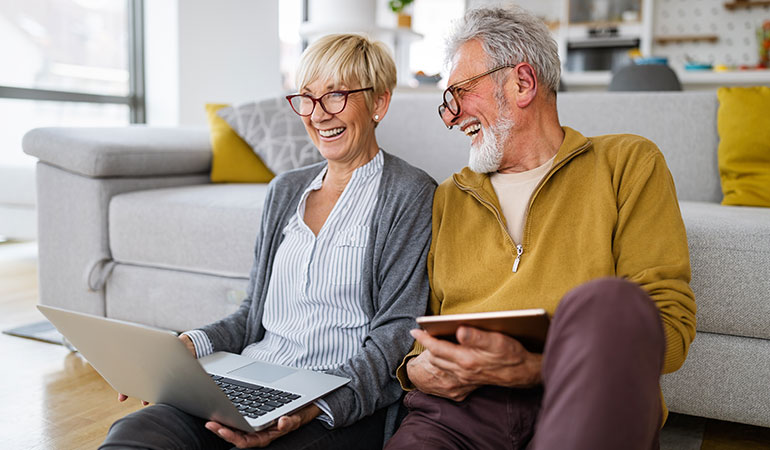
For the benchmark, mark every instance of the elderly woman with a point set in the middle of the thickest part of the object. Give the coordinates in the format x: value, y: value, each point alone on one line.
x: 339, y: 272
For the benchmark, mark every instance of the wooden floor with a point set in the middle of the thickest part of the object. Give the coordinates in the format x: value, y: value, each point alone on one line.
x: 52, y: 399
x: 49, y: 398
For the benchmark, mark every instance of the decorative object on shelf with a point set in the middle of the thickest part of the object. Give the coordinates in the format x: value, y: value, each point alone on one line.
x: 663, y: 40
x: 697, y: 66
x: 763, y: 41
x: 425, y: 79
x: 692, y: 63
x: 398, y: 6
x: 646, y: 61
x: 746, y: 4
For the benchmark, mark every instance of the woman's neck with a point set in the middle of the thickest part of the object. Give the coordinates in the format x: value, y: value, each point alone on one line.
x: 338, y: 173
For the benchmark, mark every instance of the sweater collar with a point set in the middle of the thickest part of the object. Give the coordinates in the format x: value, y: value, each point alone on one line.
x: 573, y: 144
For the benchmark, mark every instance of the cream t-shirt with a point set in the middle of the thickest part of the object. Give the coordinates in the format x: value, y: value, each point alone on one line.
x: 514, y: 191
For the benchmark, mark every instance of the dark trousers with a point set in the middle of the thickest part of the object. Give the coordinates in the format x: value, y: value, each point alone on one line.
x: 163, y: 427
x: 601, y: 369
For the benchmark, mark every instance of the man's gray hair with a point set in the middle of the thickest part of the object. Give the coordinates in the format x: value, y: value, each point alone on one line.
x: 510, y: 36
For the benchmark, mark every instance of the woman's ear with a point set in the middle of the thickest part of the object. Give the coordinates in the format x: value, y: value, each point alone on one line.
x: 526, y: 86
x: 381, y: 104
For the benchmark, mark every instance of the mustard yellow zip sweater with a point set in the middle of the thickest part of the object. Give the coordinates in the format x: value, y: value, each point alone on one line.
x: 607, y: 207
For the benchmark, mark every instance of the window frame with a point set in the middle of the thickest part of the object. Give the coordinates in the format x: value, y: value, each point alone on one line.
x: 135, y: 99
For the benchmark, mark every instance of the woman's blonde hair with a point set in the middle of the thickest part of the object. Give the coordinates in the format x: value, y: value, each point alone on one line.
x: 352, y: 60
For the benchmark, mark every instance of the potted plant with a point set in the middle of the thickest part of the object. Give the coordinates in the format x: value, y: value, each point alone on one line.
x: 397, y: 6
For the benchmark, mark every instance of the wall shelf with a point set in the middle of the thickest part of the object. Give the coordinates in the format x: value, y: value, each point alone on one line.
x: 663, y: 40
x: 746, y: 4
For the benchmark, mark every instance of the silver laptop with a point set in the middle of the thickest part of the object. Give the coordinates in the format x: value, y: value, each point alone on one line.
x: 154, y: 365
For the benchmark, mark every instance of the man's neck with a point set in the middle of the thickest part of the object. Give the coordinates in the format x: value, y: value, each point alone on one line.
x: 532, y: 144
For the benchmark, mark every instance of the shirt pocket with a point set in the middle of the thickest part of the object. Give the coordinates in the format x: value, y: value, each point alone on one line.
x: 348, y: 255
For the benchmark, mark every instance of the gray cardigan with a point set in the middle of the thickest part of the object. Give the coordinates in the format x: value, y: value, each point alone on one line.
x: 394, y: 277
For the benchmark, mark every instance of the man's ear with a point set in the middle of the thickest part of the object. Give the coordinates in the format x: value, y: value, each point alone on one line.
x: 526, y: 85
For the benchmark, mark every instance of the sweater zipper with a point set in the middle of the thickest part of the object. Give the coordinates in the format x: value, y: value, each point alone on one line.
x: 519, y: 251
x: 499, y: 217
x: 553, y: 170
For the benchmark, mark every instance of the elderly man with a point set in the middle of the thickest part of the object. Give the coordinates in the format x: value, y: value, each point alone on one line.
x: 587, y: 228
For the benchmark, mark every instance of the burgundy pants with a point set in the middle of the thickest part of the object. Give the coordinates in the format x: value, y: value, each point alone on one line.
x: 601, y: 368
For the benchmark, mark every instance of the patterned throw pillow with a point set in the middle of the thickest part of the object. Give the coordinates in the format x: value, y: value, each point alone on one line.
x: 274, y: 132
x: 232, y: 159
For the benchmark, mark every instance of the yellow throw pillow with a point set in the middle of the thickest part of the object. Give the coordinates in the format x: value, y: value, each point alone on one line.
x: 232, y: 160
x: 743, y: 123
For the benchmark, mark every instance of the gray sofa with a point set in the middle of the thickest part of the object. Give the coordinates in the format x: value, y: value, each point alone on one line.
x: 130, y: 228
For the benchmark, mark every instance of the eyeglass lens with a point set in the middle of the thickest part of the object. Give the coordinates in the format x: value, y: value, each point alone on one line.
x: 331, y: 102
x: 450, y: 102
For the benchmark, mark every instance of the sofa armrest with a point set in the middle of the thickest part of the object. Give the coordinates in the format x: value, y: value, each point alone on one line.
x: 131, y: 151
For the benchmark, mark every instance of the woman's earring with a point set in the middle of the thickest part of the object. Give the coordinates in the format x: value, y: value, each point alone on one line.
x: 376, y: 117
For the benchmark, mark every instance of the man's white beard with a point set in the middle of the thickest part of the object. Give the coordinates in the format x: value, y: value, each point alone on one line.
x: 488, y: 154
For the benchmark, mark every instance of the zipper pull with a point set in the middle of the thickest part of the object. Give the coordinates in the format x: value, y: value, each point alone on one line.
x: 519, y: 251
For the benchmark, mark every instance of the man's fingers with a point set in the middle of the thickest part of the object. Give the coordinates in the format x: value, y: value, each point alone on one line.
x: 482, y: 340
x: 439, y: 347
x: 469, y: 336
x: 444, y: 365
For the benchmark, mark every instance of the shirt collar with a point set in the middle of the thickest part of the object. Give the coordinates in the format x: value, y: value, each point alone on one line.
x: 367, y: 170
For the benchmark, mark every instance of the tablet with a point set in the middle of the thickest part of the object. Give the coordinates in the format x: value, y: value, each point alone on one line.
x: 528, y: 326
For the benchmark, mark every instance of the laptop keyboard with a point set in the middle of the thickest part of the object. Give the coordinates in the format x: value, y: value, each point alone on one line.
x: 253, y: 400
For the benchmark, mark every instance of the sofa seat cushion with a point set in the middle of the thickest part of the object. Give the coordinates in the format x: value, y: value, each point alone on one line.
x: 730, y: 258
x: 208, y: 229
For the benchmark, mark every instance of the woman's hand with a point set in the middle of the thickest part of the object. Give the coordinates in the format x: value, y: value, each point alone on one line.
x: 285, y: 425
x: 124, y: 397
x: 188, y: 343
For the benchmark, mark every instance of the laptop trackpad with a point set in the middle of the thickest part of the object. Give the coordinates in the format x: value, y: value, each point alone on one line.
x: 262, y: 372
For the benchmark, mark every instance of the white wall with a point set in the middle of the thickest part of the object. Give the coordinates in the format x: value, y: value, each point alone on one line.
x: 200, y: 51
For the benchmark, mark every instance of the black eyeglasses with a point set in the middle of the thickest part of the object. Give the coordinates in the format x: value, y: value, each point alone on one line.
x: 332, y: 102
x: 451, y: 95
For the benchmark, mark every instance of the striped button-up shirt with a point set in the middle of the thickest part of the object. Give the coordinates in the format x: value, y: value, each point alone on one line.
x: 313, y: 316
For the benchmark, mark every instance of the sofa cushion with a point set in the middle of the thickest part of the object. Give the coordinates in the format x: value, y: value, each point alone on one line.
x: 232, y: 160
x: 730, y: 258
x: 683, y: 125
x: 135, y: 151
x: 171, y: 299
x: 208, y: 229
x: 744, y: 145
x: 275, y: 133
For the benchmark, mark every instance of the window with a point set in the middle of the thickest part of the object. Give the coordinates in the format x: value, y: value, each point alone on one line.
x: 434, y: 20
x: 68, y: 62
x: 291, y: 13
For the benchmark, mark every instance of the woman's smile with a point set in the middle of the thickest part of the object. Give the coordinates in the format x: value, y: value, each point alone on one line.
x: 331, y: 134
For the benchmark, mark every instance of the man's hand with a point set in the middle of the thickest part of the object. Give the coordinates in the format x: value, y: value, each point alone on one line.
x: 434, y: 381
x: 286, y: 424
x: 480, y: 358
x: 187, y: 343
